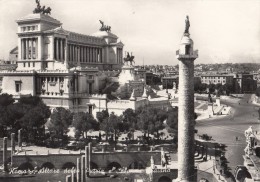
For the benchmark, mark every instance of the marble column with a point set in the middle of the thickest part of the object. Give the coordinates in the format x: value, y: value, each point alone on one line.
x: 83, y: 176
x: 81, y: 54
x: 27, y: 48
x: 87, y: 54
x: 96, y: 55
x: 101, y: 55
x: 22, y: 48
x: 78, y: 54
x: 12, y: 147
x: 89, y: 155
x: 64, y: 49
x: 117, y: 55
x: 61, y: 50
x: 68, y: 51
x: 87, y: 161
x: 36, y: 48
x: 72, y: 53
x: 91, y: 54
x: 186, y: 169
x: 20, y: 139
x: 57, y: 49
x: 78, y: 170
x: 5, y: 153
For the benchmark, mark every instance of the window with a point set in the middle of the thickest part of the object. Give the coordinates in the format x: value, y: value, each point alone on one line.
x: 33, y: 64
x: 90, y: 109
x: 18, y: 86
x: 28, y: 64
x: 23, y: 64
x: 187, y: 49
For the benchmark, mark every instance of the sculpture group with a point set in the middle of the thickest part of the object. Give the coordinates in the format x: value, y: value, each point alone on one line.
x: 40, y: 9
x: 104, y: 27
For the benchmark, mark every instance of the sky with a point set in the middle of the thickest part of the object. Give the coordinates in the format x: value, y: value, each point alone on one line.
x: 223, y: 31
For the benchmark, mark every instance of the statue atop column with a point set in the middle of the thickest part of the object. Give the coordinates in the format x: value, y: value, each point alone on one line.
x: 104, y: 27
x: 40, y: 9
x: 187, y: 25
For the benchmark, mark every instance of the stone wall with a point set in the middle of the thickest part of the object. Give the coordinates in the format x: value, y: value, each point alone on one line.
x: 102, y: 160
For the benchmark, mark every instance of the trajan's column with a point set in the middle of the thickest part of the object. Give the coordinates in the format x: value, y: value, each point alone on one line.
x: 186, y: 56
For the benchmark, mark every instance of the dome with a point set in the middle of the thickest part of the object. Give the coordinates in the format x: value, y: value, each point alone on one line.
x: 186, y: 40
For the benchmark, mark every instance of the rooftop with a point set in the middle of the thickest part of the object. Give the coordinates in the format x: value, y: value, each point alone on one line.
x: 38, y: 17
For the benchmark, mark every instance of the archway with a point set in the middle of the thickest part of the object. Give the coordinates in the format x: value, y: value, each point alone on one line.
x: 68, y: 165
x: 26, y: 166
x: 48, y: 165
x: 136, y: 165
x: 164, y: 179
x: 93, y: 165
x: 112, y: 165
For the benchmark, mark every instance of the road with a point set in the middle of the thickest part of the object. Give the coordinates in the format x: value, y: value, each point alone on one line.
x: 224, y: 129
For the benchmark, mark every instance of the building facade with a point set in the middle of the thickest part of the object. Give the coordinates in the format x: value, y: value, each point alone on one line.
x: 217, y: 79
x: 64, y: 68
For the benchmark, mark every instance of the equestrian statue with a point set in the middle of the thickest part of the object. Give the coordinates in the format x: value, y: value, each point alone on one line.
x: 129, y: 58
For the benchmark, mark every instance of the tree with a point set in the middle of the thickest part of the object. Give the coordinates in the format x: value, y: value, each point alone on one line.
x: 31, y: 114
x: 102, y: 115
x: 257, y: 92
x: 150, y: 120
x: 129, y: 121
x: 84, y: 122
x: 60, y: 120
x: 112, y: 124
x: 6, y: 102
x: 211, y: 88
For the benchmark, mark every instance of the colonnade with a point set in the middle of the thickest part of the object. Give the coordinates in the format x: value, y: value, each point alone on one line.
x: 29, y: 48
x: 84, y: 54
x: 59, y: 49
